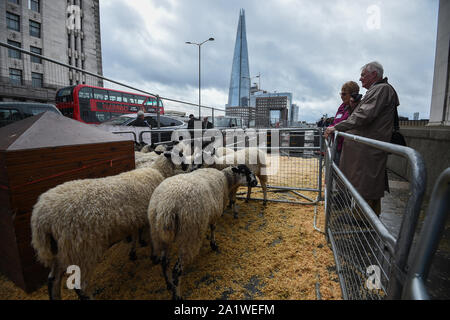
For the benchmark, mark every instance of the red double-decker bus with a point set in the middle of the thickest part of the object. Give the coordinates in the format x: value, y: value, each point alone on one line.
x: 91, y: 104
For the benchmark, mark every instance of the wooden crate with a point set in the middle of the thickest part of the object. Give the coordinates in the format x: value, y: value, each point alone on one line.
x: 37, y: 154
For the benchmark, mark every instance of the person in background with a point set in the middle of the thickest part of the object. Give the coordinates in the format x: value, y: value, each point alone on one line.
x: 321, y: 122
x: 206, y: 124
x: 372, y: 118
x: 343, y: 112
x: 140, y: 121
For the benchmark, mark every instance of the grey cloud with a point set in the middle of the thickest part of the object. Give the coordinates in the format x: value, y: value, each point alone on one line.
x: 307, y: 47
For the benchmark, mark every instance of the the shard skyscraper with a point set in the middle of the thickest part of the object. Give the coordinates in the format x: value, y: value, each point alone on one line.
x: 240, y: 74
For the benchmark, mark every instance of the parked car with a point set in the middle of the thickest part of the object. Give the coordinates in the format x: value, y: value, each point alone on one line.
x: 224, y: 122
x: 14, y: 111
x: 126, y: 123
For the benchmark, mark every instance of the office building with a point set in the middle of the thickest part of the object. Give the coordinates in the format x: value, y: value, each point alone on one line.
x: 239, y: 92
x: 67, y: 31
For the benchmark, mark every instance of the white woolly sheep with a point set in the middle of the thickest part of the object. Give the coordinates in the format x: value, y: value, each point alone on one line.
x: 153, y: 148
x: 181, y: 210
x: 223, y: 151
x: 77, y: 221
x: 256, y: 161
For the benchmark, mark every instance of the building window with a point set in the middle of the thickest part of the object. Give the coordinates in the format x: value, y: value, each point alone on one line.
x: 36, y: 80
x: 34, y: 5
x: 14, y: 1
x: 13, y: 53
x: 12, y: 21
x: 37, y: 51
x: 15, y: 77
x: 35, y: 29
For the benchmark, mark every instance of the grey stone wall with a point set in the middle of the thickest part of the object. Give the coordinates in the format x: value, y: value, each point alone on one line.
x: 433, y: 143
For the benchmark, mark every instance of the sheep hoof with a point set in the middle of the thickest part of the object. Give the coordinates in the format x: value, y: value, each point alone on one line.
x: 143, y: 243
x: 155, y: 260
x: 214, y: 246
x: 235, y: 215
x: 175, y: 297
x: 265, y: 203
x: 246, y: 200
x: 133, y: 256
x: 81, y: 295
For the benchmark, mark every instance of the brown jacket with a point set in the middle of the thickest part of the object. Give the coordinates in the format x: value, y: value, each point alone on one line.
x: 372, y: 118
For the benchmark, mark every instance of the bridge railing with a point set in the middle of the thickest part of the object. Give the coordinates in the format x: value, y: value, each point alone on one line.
x: 371, y: 261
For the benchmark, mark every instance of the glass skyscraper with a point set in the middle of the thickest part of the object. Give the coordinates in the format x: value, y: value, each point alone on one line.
x: 239, y: 92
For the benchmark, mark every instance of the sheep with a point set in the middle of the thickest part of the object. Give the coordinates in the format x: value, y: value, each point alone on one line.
x: 223, y: 151
x: 155, y: 148
x: 256, y: 161
x: 180, y: 211
x: 77, y: 221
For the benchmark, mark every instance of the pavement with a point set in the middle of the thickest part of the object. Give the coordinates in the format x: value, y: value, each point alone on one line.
x: 393, y: 207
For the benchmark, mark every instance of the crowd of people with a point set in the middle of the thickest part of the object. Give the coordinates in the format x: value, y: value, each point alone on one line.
x: 370, y: 116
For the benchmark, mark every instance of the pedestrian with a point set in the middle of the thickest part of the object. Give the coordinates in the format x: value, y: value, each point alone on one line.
x: 373, y: 118
x: 320, y: 123
x: 207, y: 124
x: 140, y: 121
x: 343, y: 112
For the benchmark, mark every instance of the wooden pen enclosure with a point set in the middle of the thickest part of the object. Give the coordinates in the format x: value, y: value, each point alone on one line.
x: 37, y: 154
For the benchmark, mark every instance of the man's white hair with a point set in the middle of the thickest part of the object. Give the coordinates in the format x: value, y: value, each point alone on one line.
x: 374, y: 66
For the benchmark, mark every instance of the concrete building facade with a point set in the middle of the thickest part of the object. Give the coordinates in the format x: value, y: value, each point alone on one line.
x: 272, y: 108
x: 440, y: 100
x: 67, y: 31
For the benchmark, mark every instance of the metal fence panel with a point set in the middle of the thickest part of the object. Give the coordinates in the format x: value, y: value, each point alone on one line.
x: 431, y: 234
x: 371, y: 262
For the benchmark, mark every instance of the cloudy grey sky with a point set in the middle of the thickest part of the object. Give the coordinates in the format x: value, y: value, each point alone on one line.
x: 306, y: 47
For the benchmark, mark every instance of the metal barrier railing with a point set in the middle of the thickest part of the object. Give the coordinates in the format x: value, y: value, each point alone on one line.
x: 430, y: 235
x: 370, y: 260
x: 57, y: 74
x: 293, y: 157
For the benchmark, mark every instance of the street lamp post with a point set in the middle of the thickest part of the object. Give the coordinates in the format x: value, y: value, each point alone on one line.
x: 250, y: 86
x: 199, y: 73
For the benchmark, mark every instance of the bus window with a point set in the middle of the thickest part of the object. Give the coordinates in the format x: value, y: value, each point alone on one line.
x: 150, y: 102
x: 115, y: 96
x: 139, y: 99
x: 85, y: 93
x: 128, y: 98
x: 64, y: 95
x: 100, y: 94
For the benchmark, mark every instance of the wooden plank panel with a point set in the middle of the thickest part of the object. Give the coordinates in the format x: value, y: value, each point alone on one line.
x: 66, y: 153
x: 23, y: 199
x: 18, y: 259
x: 21, y: 176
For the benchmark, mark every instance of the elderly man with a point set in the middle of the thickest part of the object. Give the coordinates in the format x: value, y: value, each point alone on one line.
x: 373, y: 118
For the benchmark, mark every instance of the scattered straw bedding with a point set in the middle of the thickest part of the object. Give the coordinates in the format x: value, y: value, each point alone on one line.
x: 268, y: 253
